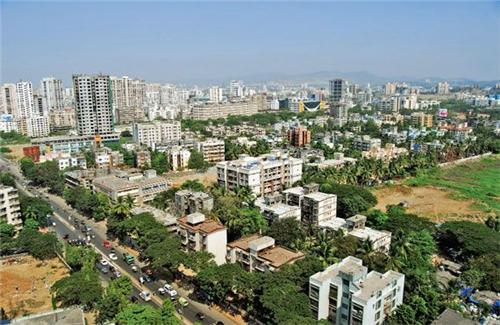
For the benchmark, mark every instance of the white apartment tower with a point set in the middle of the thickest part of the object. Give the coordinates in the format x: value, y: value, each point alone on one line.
x: 52, y: 90
x: 24, y: 92
x: 346, y: 294
x: 10, y: 210
x: 236, y: 88
x: 93, y: 104
x: 215, y: 94
x: 8, y: 100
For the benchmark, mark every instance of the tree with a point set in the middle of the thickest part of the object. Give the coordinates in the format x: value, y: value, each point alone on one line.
x: 248, y: 221
x: 80, y: 288
x: 135, y: 314
x: 168, y: 314
x: 28, y: 168
x: 34, y: 208
x: 196, y: 161
x: 121, y: 209
x: 41, y: 246
x: 114, y: 300
x: 351, y: 200
x: 7, y: 179
x: 31, y: 224
x: 89, y: 159
x: 159, y: 162
x: 79, y: 257
x: 286, y: 231
x: 193, y: 185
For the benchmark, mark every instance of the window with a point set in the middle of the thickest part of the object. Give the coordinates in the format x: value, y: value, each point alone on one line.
x: 345, y: 295
x: 377, y: 315
x: 378, y: 304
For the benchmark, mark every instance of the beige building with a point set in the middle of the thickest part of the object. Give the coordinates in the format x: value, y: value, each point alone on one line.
x: 420, y: 119
x: 390, y: 151
x: 212, y: 150
x: 315, y: 206
x: 10, y: 210
x: 259, y: 253
x: 200, y: 234
x: 223, y: 110
x: 156, y: 132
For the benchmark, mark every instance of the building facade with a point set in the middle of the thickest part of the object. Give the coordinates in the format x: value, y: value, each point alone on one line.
x: 156, y: 132
x: 10, y: 211
x: 213, y: 150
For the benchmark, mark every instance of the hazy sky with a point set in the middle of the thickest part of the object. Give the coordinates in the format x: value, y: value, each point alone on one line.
x: 169, y: 42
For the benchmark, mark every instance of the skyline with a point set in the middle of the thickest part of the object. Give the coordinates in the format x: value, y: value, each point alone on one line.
x: 162, y: 42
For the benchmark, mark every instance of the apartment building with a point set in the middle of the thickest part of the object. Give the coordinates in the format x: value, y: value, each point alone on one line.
x: 338, y: 161
x: 37, y: 126
x: 64, y: 160
x: 356, y: 226
x: 366, y: 143
x: 72, y: 144
x: 178, y: 157
x: 107, y: 158
x: 156, y: 132
x: 264, y: 175
x: 187, y: 202
x: 10, y: 211
x: 93, y: 102
x: 420, y: 120
x: 272, y: 208
x: 259, y: 253
x: 200, y: 234
x: 213, y: 150
x: 345, y: 293
x: 388, y: 152
x: 223, y: 110
x: 116, y: 187
x: 315, y: 206
x: 142, y: 158
x: 299, y: 136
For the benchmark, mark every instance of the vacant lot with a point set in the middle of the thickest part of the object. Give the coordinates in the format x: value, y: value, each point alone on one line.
x: 207, y: 178
x: 469, y: 191
x: 25, y: 284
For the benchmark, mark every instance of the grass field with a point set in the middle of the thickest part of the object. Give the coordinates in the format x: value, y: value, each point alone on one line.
x: 478, y: 181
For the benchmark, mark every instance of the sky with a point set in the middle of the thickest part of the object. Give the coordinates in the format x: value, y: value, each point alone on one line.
x: 208, y: 41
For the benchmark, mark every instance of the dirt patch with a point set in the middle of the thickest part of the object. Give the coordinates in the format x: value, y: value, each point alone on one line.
x: 25, y: 284
x: 207, y: 178
x: 430, y: 202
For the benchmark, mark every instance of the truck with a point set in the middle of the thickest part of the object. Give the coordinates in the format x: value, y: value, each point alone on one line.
x: 128, y: 258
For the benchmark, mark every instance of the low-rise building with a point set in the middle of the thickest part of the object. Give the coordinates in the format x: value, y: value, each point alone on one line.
x: 390, y: 151
x: 259, y: 253
x: 187, y: 202
x: 10, y: 211
x: 143, y: 158
x: 200, y: 234
x: 420, y: 120
x: 264, y: 175
x: 213, y: 150
x: 73, y: 143
x: 163, y: 217
x: 65, y: 160
x: 345, y: 293
x: 156, y: 132
x: 178, y: 157
x: 116, y: 187
x: 337, y: 162
x: 355, y: 226
x: 366, y: 143
x: 277, y: 210
x: 107, y: 158
x: 299, y: 136
x: 315, y: 206
x: 223, y: 110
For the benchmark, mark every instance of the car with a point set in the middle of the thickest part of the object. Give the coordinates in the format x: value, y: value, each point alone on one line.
x: 135, y: 268
x: 107, y: 244
x: 183, y: 302
x: 117, y: 273
x: 113, y: 256
x: 162, y: 291
x: 142, y: 280
x: 66, y: 236
x: 113, y: 250
x: 145, y: 295
x: 104, y: 262
x: 200, y: 316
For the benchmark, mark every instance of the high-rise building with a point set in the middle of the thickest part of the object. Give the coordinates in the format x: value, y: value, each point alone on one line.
x: 8, y: 100
x: 24, y: 92
x: 156, y: 132
x: 93, y: 104
x: 299, y: 136
x: 390, y: 88
x: 442, y: 88
x: 128, y: 95
x: 52, y: 89
x: 215, y: 94
x: 338, y: 90
x: 236, y: 88
x: 345, y: 293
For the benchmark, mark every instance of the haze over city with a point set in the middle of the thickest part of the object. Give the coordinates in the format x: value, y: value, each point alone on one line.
x: 203, y: 42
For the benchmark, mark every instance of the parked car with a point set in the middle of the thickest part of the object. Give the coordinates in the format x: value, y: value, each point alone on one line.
x: 104, y: 262
x: 183, y: 302
x: 200, y: 316
x: 145, y: 295
x: 168, y: 290
x: 135, y: 268
x: 107, y: 244
x: 113, y: 256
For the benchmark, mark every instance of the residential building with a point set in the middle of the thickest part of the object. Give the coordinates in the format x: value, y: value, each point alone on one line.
x: 213, y: 150
x: 223, y: 110
x: 178, y: 157
x: 10, y: 211
x: 142, y: 158
x: 337, y: 162
x: 62, y: 119
x: 442, y: 88
x: 200, y: 234
x: 315, y: 206
x: 390, y: 88
x: 116, y: 187
x: 338, y: 90
x: 390, y: 151
x: 37, y: 126
x: 72, y: 144
x: 65, y: 160
x: 24, y: 93
x: 273, y: 209
x: 236, y: 88
x: 107, y: 158
x: 355, y: 226
x: 264, y: 175
x: 420, y: 120
x: 8, y: 100
x: 156, y: 132
x: 187, y: 202
x: 259, y: 253
x: 8, y: 124
x: 52, y: 91
x: 93, y: 101
x: 366, y: 143
x: 299, y: 136
x: 345, y: 293
x: 215, y: 94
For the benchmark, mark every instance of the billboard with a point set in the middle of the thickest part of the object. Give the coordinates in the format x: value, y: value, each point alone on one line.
x: 443, y: 112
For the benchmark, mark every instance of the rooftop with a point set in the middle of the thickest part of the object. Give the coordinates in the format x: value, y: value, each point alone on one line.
x: 113, y: 183
x: 280, y: 208
x: 450, y: 316
x: 348, y: 265
x: 208, y: 226
x: 319, y: 196
x: 375, y: 282
x: 73, y: 316
x: 298, y: 190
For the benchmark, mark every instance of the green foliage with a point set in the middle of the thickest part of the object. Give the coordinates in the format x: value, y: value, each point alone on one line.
x: 159, y: 162
x: 114, y: 300
x: 5, y: 150
x: 126, y: 134
x: 39, y: 245
x: 89, y: 158
x: 90, y: 204
x: 34, y: 208
x: 135, y: 314
x: 376, y: 218
x: 31, y: 224
x: 233, y: 150
x: 487, y: 268
x: 80, y: 288
x: 351, y: 200
x: 12, y: 137
x: 7, y: 179
x: 468, y: 239
x: 286, y: 231
x: 163, y: 200
x: 79, y: 257
x: 193, y: 185
x: 196, y: 161
x: 401, y: 222
x: 7, y: 231
x: 46, y: 174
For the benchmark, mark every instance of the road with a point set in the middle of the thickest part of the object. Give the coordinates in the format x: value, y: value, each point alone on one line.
x: 64, y: 219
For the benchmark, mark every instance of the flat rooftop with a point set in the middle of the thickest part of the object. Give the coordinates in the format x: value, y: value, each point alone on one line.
x: 298, y: 190
x: 208, y: 226
x: 319, y: 196
x: 115, y: 184
x: 69, y: 316
x: 349, y: 265
x: 369, y: 233
x: 375, y: 282
x: 280, y: 208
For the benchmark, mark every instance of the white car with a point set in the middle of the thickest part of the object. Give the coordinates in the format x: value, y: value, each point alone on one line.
x: 145, y: 295
x: 104, y: 262
x: 170, y: 291
x: 113, y: 256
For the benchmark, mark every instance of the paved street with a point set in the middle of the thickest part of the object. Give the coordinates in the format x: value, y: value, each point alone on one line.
x: 64, y: 218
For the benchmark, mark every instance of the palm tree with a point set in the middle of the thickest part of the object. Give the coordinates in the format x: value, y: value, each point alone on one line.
x: 324, y: 248
x: 246, y: 196
x: 30, y: 213
x: 366, y: 248
x: 121, y: 209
